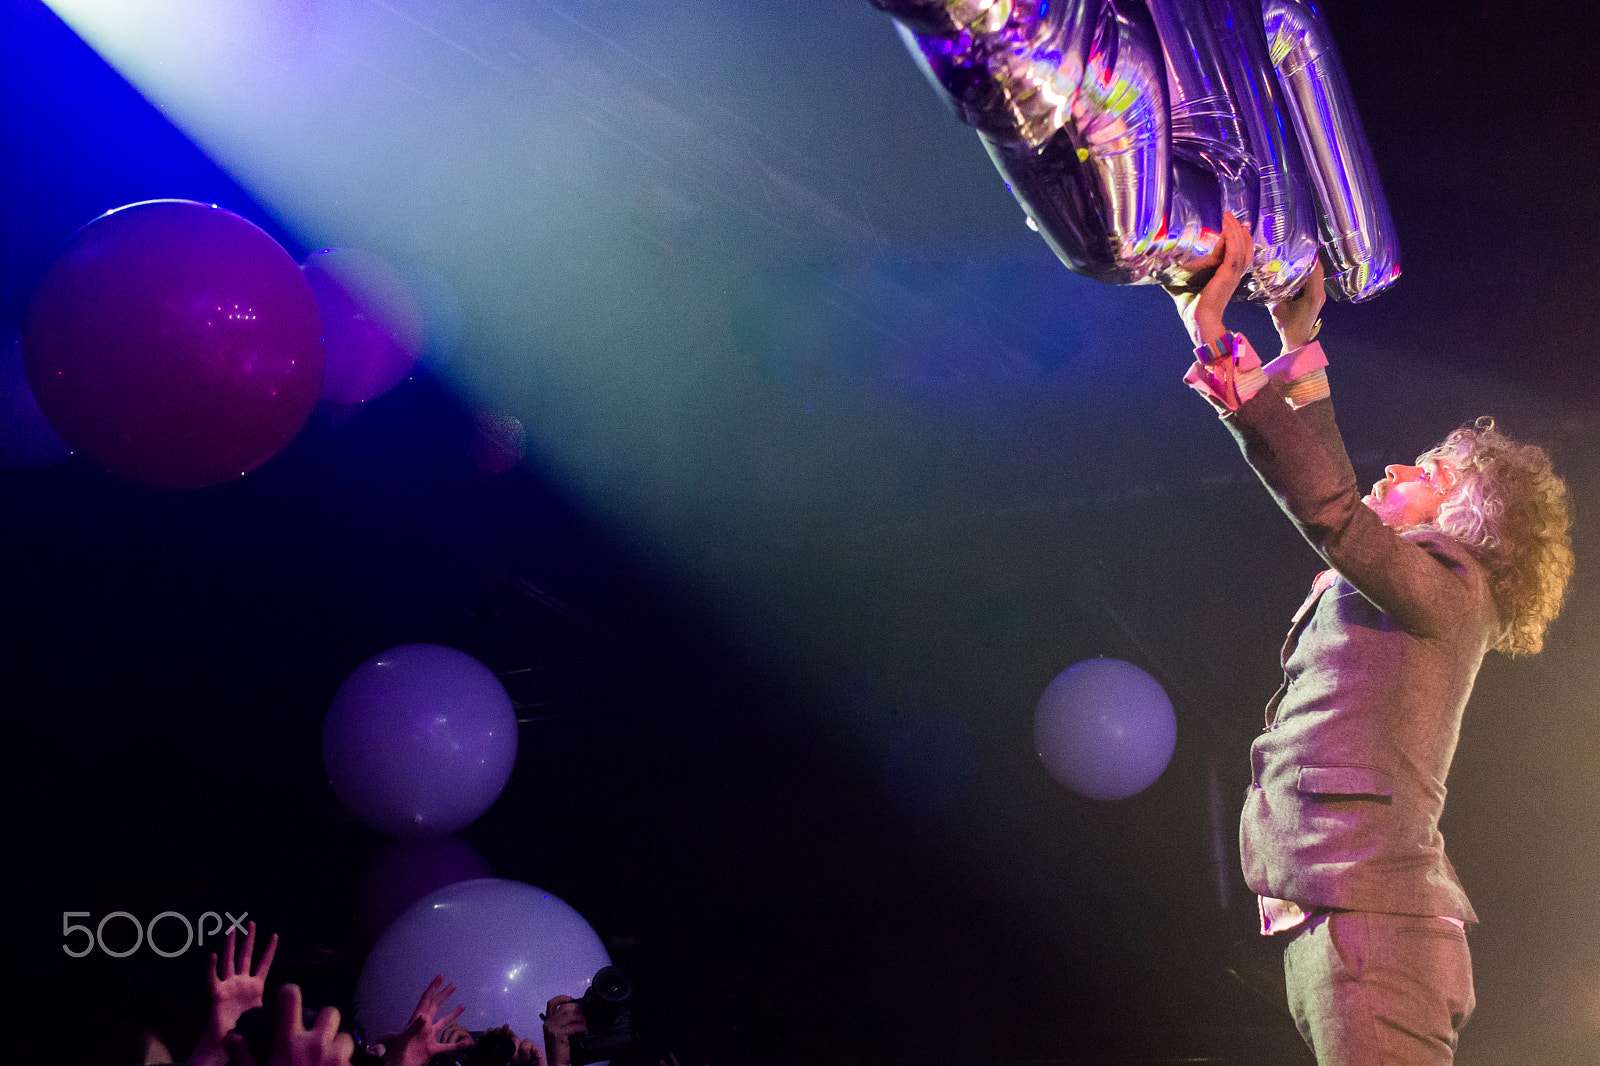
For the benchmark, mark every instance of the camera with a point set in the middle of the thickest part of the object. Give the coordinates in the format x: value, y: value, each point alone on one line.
x: 605, y: 1013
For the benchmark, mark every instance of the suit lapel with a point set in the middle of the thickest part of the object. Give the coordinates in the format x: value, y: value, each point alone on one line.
x: 1297, y: 625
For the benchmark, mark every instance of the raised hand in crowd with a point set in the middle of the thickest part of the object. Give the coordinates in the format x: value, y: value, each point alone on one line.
x: 293, y: 1044
x: 455, y: 1035
x: 428, y: 1032
x: 235, y: 988
x: 563, y: 1018
x: 529, y: 1053
x: 502, y: 1045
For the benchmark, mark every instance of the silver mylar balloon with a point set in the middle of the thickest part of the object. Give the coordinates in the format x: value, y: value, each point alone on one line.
x: 1126, y: 127
x: 1228, y: 49
x: 1358, y: 232
x: 943, y: 18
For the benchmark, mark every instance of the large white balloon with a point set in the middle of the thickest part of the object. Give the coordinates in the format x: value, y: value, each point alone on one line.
x: 508, y: 947
x: 420, y: 740
x: 1105, y: 729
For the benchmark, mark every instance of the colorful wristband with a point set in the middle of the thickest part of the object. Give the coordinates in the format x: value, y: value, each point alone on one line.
x: 1227, y: 370
x: 1224, y: 347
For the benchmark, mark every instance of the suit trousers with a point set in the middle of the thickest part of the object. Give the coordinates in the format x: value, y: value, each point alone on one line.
x: 1372, y: 989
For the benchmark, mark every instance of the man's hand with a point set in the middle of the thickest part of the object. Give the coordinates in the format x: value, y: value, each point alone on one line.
x: 235, y: 988
x: 1202, y: 311
x: 295, y: 1045
x: 1296, y: 317
x: 420, y: 1039
x: 563, y: 1017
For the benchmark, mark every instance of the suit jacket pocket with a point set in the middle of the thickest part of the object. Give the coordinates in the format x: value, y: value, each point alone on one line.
x: 1338, y: 781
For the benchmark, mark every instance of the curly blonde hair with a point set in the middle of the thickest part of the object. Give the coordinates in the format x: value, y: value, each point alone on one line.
x: 1509, y: 509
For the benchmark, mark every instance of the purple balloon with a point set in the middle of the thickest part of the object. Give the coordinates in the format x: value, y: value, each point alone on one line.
x: 508, y: 947
x: 1105, y: 729
x: 409, y: 870
x: 372, y: 322
x: 419, y: 741
x: 175, y: 344
x: 26, y: 440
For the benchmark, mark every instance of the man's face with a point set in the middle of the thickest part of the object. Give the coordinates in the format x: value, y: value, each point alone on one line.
x: 1410, y: 496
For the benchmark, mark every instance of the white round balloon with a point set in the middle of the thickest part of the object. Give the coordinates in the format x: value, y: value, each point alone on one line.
x: 420, y: 740
x: 507, y: 946
x: 1105, y: 729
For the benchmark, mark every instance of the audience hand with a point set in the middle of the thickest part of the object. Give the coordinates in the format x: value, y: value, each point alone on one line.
x: 235, y: 988
x: 455, y: 1035
x: 295, y: 1045
x: 563, y: 1017
x: 529, y: 1053
x: 421, y: 1039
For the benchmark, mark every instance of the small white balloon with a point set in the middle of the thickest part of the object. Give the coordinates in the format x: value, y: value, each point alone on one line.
x: 419, y: 741
x: 1105, y: 729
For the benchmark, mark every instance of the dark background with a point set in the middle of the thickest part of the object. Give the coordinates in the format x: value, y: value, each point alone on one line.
x: 830, y: 469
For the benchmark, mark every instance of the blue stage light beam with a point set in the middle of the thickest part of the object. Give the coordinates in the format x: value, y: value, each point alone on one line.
x: 746, y: 288
x: 705, y: 254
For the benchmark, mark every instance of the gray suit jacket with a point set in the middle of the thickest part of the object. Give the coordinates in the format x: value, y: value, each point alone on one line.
x: 1348, y: 780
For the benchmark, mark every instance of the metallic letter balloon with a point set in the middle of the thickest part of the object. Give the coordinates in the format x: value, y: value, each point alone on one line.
x: 175, y: 344
x: 1126, y: 127
x: 1359, y: 234
x: 420, y: 740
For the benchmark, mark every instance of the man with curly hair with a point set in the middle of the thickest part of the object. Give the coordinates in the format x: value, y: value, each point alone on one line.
x: 1465, y: 551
